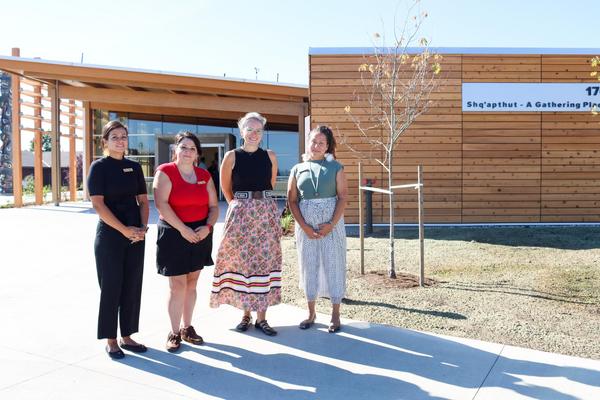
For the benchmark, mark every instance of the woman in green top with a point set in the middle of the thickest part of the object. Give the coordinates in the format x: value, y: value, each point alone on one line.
x: 317, y: 198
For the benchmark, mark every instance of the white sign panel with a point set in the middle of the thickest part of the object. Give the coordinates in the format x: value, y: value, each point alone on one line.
x: 523, y: 97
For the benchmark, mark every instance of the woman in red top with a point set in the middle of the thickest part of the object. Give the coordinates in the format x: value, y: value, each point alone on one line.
x: 186, y: 199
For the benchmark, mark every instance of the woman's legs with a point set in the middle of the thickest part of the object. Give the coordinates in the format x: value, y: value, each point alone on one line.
x: 190, y: 297
x: 177, y: 294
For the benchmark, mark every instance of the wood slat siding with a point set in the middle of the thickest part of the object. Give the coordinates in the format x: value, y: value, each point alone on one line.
x: 478, y: 167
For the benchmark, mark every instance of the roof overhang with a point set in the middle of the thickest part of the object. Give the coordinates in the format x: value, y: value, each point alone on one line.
x: 160, y: 89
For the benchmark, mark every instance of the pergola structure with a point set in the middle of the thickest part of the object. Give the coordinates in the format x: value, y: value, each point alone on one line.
x: 51, y: 90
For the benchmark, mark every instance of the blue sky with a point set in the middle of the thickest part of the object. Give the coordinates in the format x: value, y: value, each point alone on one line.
x: 235, y: 36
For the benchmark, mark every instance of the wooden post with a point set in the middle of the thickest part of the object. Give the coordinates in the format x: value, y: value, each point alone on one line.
x: 361, y: 228
x: 87, y: 145
x: 38, y: 166
x: 55, y: 118
x: 301, y: 129
x: 72, y: 153
x: 421, y: 228
x: 17, y: 158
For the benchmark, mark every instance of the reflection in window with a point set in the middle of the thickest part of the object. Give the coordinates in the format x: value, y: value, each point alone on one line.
x: 142, y: 145
x: 147, y: 164
x: 173, y: 128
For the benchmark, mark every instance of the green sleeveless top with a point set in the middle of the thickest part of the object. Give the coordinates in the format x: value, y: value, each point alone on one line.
x: 316, y: 179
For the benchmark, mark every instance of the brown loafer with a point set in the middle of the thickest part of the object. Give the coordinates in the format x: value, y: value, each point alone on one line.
x: 189, y: 335
x: 173, y: 342
x: 245, y: 324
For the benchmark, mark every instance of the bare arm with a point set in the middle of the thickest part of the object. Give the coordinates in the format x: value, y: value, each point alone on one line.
x: 130, y: 232
x: 225, y: 175
x: 292, y: 198
x: 213, y: 210
x: 162, y: 189
x: 340, y: 205
x: 274, y: 167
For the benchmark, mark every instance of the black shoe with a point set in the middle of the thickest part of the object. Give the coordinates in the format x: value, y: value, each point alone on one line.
x: 136, y: 348
x: 264, y: 326
x: 333, y: 328
x: 243, y: 326
x: 307, y: 323
x: 115, y: 355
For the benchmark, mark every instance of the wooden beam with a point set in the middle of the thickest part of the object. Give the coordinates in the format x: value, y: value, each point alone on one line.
x: 17, y: 161
x: 87, y: 145
x: 184, y: 101
x: 56, y: 176
x: 38, y: 168
x: 72, y: 153
x: 188, y: 112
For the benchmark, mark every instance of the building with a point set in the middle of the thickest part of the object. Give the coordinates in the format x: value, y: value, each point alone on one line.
x: 155, y: 105
x: 488, y: 155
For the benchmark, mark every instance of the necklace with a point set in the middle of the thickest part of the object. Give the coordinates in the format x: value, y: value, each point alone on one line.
x: 312, y: 180
x: 188, y: 177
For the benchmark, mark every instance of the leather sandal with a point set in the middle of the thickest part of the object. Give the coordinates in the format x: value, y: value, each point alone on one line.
x: 173, y: 342
x: 136, y: 348
x: 189, y: 335
x: 243, y: 326
x: 307, y: 323
x: 264, y: 326
x: 333, y: 328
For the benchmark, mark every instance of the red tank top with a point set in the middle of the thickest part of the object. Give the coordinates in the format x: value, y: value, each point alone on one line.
x: 188, y: 200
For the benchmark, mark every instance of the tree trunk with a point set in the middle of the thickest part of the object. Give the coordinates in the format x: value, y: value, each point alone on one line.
x: 392, y: 266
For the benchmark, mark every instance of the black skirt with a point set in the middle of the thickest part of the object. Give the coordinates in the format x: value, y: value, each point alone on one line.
x: 175, y: 255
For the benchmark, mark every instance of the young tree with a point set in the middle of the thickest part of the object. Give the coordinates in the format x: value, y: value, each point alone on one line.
x: 46, y: 143
x: 396, y: 85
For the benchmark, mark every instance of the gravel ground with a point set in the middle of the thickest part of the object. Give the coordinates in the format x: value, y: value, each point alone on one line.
x: 531, y: 287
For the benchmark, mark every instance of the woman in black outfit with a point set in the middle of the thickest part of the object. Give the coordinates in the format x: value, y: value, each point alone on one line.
x: 118, y: 192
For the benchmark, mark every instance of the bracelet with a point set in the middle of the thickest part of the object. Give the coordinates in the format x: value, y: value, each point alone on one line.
x: 210, y: 227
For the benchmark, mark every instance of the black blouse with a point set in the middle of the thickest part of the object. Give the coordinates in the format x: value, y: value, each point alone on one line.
x: 252, y: 171
x: 119, y: 181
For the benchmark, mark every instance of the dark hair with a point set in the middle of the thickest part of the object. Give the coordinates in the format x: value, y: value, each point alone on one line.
x: 325, y: 130
x: 181, y: 136
x: 108, y: 128
x: 111, y: 126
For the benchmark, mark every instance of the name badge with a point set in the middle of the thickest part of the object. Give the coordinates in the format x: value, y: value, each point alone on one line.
x: 127, y: 169
x: 201, y: 182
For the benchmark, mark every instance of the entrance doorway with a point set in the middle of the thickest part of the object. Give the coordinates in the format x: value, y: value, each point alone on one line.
x: 214, y: 147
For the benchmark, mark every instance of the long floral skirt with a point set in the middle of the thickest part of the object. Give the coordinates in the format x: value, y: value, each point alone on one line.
x: 322, y: 262
x: 248, y: 268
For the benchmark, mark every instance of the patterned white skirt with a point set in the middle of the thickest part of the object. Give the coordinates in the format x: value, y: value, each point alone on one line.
x: 322, y: 262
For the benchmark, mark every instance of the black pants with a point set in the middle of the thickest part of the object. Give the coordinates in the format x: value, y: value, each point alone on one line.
x: 120, y: 267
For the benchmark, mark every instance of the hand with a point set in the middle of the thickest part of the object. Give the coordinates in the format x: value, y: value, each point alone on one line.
x: 325, y: 228
x: 190, y: 235
x: 202, y: 231
x: 310, y: 232
x: 133, y: 233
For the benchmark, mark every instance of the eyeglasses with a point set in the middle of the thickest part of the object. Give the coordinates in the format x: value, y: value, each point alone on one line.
x: 185, y: 148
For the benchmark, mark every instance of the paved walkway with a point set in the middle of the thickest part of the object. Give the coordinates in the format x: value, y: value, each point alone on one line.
x: 48, y: 306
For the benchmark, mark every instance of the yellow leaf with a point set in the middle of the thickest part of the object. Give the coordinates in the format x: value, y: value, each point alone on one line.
x: 347, y: 109
x: 593, y: 73
x: 362, y: 68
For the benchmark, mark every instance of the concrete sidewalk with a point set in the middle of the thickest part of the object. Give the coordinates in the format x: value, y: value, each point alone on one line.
x: 48, y: 350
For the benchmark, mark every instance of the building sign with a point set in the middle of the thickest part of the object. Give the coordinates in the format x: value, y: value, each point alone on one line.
x: 523, y: 97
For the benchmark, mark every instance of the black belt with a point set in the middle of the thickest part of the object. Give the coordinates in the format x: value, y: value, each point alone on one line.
x: 257, y: 194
